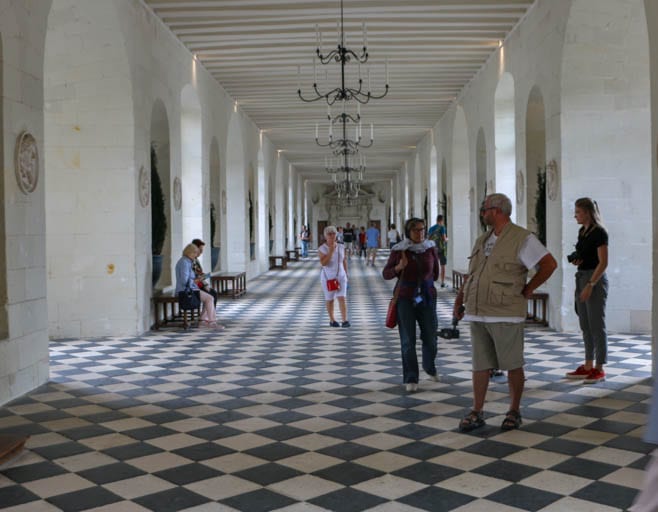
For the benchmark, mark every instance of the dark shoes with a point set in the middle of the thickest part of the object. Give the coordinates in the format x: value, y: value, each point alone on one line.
x: 334, y: 324
x: 471, y: 421
x: 475, y: 419
x: 346, y: 323
x: 512, y: 420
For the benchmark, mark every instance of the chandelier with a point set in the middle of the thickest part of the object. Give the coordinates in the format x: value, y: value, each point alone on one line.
x: 347, y: 188
x: 345, y: 144
x: 347, y: 164
x: 342, y: 55
x: 347, y: 174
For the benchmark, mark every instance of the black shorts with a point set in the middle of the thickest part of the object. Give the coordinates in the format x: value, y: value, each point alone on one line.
x: 442, y: 258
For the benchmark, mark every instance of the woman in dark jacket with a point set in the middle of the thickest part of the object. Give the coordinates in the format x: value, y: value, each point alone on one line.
x: 415, y: 263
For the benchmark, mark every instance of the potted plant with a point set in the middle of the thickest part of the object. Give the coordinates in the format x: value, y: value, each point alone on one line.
x: 158, y: 219
x: 252, y: 243
x: 270, y: 225
x: 214, y: 251
x: 540, y: 205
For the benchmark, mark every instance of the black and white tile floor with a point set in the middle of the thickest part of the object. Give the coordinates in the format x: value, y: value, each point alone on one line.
x: 281, y: 412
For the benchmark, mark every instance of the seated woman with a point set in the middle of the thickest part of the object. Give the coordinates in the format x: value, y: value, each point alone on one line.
x: 185, y: 278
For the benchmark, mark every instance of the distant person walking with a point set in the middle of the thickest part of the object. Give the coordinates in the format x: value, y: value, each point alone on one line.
x: 393, y: 236
x: 439, y: 236
x: 373, y: 241
x: 362, y: 243
x: 348, y: 240
x: 305, y: 239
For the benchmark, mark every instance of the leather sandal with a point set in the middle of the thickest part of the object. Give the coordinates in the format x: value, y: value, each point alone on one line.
x: 512, y: 420
x: 471, y: 421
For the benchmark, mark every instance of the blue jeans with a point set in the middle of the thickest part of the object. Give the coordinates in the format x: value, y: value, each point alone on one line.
x: 304, y: 248
x: 425, y: 315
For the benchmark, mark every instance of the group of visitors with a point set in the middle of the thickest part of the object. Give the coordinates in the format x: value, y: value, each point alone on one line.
x: 363, y: 242
x: 493, y: 298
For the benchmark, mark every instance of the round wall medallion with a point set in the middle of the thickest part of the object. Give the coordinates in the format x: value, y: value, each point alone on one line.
x: 520, y: 187
x: 178, y: 193
x: 26, y: 161
x: 551, y: 180
x: 144, y: 187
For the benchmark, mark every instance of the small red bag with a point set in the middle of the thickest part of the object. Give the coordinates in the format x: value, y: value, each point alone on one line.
x: 392, y: 313
x: 333, y: 285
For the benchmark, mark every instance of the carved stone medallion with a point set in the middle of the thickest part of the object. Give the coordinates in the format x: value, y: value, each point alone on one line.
x: 144, y: 187
x: 178, y: 193
x: 520, y: 187
x: 26, y: 161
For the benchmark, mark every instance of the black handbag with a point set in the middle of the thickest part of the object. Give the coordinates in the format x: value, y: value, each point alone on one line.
x: 189, y: 299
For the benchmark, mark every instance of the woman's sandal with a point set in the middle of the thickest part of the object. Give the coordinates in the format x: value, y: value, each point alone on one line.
x: 471, y: 421
x: 512, y: 420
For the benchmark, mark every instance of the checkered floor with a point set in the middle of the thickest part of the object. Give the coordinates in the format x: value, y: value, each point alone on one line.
x: 281, y: 412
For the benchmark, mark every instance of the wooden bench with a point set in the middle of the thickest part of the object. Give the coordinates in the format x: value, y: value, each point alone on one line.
x: 11, y: 445
x: 538, y: 309
x: 292, y: 255
x: 229, y: 283
x: 167, y: 312
x: 278, y: 262
x: 537, y: 302
x: 458, y: 277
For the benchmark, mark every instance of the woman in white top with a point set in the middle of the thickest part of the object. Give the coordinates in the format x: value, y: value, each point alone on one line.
x: 334, y: 266
x: 393, y: 236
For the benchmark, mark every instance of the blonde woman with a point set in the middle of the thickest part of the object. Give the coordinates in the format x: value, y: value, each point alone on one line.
x: 591, y: 258
x: 185, y: 278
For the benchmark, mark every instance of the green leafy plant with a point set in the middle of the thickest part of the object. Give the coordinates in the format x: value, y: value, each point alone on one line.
x: 483, y: 225
x: 443, y: 208
x: 213, y: 224
x: 158, y: 216
x: 540, y: 205
x: 251, y: 218
x: 426, y: 215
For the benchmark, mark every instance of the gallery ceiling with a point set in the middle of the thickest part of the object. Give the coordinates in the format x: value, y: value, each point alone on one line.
x: 254, y: 48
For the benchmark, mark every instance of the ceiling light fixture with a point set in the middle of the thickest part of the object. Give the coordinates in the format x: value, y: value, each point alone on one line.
x: 343, y: 56
x: 345, y: 145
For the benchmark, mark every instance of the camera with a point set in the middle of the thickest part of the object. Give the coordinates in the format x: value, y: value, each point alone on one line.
x: 448, y: 333
x: 574, y: 256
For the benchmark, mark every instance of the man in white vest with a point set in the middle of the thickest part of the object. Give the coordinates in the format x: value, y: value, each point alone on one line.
x: 495, y: 294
